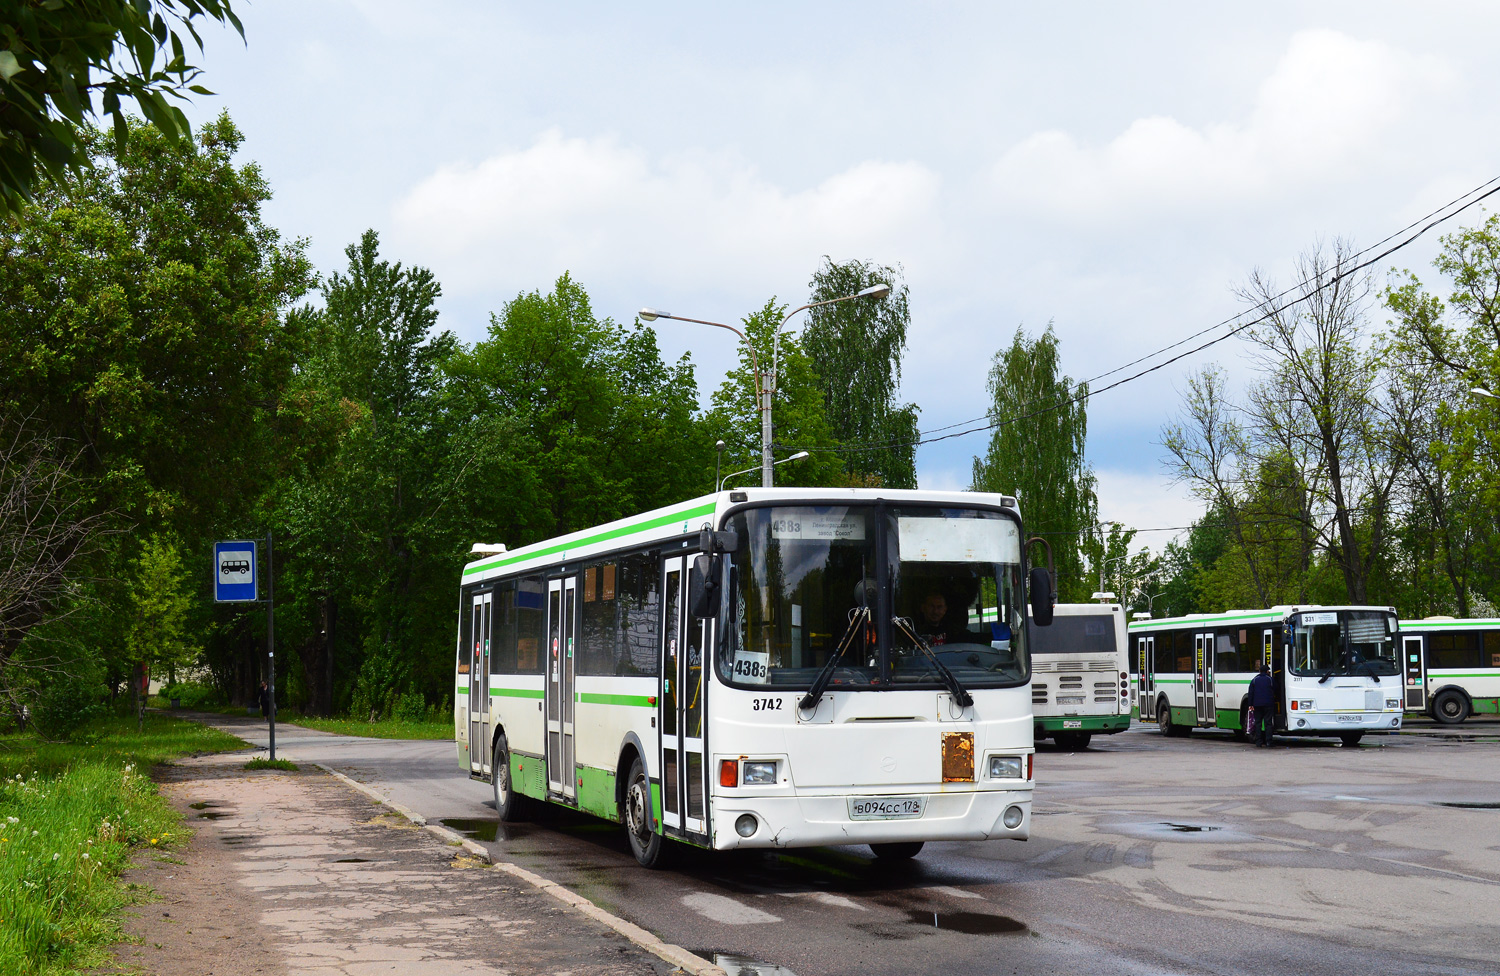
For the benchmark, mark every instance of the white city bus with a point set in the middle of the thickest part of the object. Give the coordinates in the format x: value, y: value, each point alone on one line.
x: 1080, y: 674
x: 1452, y: 667
x: 748, y: 670
x: 1335, y: 669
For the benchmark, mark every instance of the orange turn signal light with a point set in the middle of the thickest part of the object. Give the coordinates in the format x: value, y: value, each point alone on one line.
x: 729, y: 772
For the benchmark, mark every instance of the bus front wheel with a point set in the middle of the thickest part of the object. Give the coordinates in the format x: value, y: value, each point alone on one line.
x: 649, y: 847
x: 510, y: 805
x: 901, y: 851
x: 1450, y: 708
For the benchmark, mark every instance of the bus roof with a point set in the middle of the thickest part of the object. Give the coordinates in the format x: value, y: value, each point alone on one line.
x: 1451, y: 623
x: 1268, y: 615
x: 703, y: 512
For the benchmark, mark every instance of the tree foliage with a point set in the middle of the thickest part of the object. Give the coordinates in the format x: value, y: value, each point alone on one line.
x: 1036, y: 453
x: 59, y: 57
x: 855, y: 348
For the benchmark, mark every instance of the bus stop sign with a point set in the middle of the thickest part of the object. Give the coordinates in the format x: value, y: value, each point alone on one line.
x: 234, y: 572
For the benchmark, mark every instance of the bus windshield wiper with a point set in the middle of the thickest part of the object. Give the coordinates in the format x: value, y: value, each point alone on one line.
x: 820, y: 683
x: 960, y: 693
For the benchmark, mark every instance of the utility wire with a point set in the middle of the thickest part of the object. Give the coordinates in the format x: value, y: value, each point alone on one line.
x: 1424, y: 224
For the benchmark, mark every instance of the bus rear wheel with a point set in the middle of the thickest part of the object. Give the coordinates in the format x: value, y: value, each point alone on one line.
x: 649, y: 847
x: 1450, y: 708
x: 509, y: 805
x: 901, y: 851
x: 1075, y: 741
x: 1164, y: 722
x: 1351, y: 738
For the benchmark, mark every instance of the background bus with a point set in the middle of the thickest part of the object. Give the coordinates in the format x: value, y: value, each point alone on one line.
x: 1080, y: 675
x: 762, y: 668
x: 1335, y: 669
x: 1452, y: 667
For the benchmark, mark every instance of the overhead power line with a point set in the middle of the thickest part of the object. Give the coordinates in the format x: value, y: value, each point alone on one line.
x: 1423, y: 224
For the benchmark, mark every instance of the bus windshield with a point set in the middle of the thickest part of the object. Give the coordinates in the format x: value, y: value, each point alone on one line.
x: 1348, y: 642
x: 1091, y: 633
x: 811, y: 582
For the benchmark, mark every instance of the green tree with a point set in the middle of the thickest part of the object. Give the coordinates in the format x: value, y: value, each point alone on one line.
x: 798, y: 412
x: 59, y: 56
x: 1036, y: 453
x: 143, y: 325
x: 856, y: 348
x: 160, y: 604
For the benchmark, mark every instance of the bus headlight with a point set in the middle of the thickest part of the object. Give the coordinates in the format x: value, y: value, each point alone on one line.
x: 745, y: 825
x: 1012, y: 818
x: 1005, y: 767
x: 1393, y: 703
x: 759, y: 774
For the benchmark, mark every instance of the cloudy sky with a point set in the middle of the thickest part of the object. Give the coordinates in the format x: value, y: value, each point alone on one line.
x: 1114, y: 169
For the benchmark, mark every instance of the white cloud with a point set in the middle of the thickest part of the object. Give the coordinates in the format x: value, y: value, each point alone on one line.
x: 1330, y: 102
x: 613, y: 212
x: 1141, y: 500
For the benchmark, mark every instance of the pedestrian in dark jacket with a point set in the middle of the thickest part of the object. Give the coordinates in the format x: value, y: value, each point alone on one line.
x: 1262, y: 707
x: 265, y: 699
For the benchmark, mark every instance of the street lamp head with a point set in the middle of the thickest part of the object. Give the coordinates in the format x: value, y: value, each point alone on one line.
x: 795, y: 457
x: 651, y: 314
x: 1481, y: 391
x: 874, y: 291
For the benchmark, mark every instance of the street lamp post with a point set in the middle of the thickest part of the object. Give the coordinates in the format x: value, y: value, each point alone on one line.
x: 735, y: 474
x: 765, y: 386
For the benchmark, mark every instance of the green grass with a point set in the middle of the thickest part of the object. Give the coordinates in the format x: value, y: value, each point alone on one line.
x: 387, y: 728
x: 70, y: 817
x: 262, y: 763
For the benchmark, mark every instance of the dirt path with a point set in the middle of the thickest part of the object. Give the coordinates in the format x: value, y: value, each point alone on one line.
x: 294, y: 873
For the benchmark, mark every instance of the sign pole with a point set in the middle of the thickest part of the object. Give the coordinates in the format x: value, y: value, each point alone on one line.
x: 271, y: 638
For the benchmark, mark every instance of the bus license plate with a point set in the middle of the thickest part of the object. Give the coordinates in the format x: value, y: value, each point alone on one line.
x: 886, y: 807
x: 1351, y: 718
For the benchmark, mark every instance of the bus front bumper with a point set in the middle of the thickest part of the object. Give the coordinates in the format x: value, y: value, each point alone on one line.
x: 1332, y: 723
x: 817, y: 821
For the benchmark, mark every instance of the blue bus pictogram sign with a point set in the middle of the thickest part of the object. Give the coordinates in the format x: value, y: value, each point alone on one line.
x: 234, y: 572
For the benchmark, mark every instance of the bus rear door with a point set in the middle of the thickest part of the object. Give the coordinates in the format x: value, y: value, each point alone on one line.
x: 684, y: 643
x: 479, y: 692
x: 1203, y: 678
x: 1145, y: 651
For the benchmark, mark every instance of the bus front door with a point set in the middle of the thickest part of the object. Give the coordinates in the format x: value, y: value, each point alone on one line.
x: 1416, y: 674
x: 680, y: 704
x: 1203, y: 678
x: 1145, y: 698
x: 479, y: 692
x: 561, y: 617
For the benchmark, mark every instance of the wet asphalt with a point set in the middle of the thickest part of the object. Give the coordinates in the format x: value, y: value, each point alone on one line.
x: 1148, y: 855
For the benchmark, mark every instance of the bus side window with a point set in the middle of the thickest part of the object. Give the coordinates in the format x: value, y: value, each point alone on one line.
x: 503, y: 630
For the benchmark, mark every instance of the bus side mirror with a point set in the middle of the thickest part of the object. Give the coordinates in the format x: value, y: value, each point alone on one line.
x: 1041, y: 596
x: 703, y: 587
x: 725, y: 540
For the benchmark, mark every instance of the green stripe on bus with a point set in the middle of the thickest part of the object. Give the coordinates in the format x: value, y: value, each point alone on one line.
x: 639, y: 701
x: 463, y: 689
x: 623, y: 530
x: 1169, y: 623
x: 1440, y: 673
x: 515, y: 693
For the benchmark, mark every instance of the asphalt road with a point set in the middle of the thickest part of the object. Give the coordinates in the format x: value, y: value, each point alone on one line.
x: 1148, y: 855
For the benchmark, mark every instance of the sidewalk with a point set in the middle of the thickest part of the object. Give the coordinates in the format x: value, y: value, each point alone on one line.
x: 299, y: 874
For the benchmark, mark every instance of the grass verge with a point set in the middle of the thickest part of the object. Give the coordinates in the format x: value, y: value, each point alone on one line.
x: 388, y: 728
x: 261, y: 763
x: 70, y: 816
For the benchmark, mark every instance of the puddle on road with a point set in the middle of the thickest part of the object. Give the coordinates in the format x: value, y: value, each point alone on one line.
x: 1182, y: 831
x: 1464, y: 805
x: 737, y: 965
x: 201, y: 805
x: 1189, y: 828
x: 213, y: 815
x: 968, y: 923
x: 352, y: 860
x: 480, y: 830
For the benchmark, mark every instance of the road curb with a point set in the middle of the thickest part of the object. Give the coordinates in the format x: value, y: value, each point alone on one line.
x: 676, y: 955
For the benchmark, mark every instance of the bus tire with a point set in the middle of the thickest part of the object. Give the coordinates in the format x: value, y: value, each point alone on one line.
x: 648, y: 846
x: 1164, y: 722
x: 900, y: 851
x: 1450, y: 707
x: 1351, y: 738
x: 510, y: 806
x: 1073, y: 741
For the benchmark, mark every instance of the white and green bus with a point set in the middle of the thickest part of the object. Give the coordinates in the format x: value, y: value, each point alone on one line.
x: 1080, y: 674
x: 748, y: 670
x: 1452, y: 667
x: 1335, y: 669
